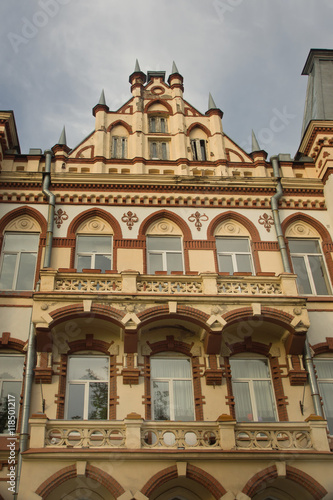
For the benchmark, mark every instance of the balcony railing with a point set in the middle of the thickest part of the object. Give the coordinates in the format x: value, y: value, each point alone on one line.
x: 132, y: 282
x: 136, y: 433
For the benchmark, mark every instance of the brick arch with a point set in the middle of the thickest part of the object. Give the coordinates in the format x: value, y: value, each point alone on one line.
x: 67, y: 473
x: 269, y: 314
x: 120, y: 122
x: 9, y: 342
x: 323, y: 347
x: 25, y: 210
x: 187, y: 313
x: 192, y: 472
x: 176, y: 220
x: 87, y: 214
x: 198, y: 125
x: 97, y: 311
x: 257, y: 481
x: 327, y: 243
x: 159, y: 101
x: 89, y: 343
x: 244, y: 221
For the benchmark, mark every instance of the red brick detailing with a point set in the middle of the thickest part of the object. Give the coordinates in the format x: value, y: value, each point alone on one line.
x: 281, y: 399
x: 89, y: 343
x: 25, y: 210
x: 183, y: 312
x: 105, y: 480
x: 56, y: 480
x: 80, y: 151
x: 198, y: 125
x: 158, y: 479
x: 160, y: 101
x: 198, y: 397
x: 297, y: 375
x: 260, y: 480
x: 170, y: 344
x: 113, y: 389
x: 230, y: 397
x: 249, y: 346
x: 60, y: 396
x: 202, y: 477
x: 267, y: 314
x: 120, y: 122
x: 323, y: 347
x: 240, y: 314
x: 72, y: 312
x: 130, y: 373
x: 213, y: 374
x: 310, y: 484
x: 277, y: 314
x: 8, y: 342
x: 147, y: 393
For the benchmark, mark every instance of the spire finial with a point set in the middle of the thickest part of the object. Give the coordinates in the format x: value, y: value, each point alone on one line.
x: 255, y: 144
x: 102, y: 99
x: 174, y: 68
x: 62, y: 139
x: 211, y: 102
x: 137, y: 67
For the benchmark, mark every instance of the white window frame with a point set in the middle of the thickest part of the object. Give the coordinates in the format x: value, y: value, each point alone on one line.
x: 93, y: 255
x: 196, y: 146
x: 18, y: 254
x: 170, y: 381
x: 233, y: 255
x: 158, y: 120
x: 305, y: 257
x: 250, y: 380
x: 86, y: 383
x: 164, y: 253
x: 2, y: 380
x: 324, y: 381
x: 118, y: 147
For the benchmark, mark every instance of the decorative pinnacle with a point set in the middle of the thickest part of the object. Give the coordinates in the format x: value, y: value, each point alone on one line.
x: 174, y: 68
x: 211, y: 102
x: 137, y: 67
x: 255, y: 144
x: 62, y: 139
x: 102, y: 99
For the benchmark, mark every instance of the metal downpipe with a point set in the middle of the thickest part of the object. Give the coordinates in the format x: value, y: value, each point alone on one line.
x: 308, y: 361
x: 51, y: 199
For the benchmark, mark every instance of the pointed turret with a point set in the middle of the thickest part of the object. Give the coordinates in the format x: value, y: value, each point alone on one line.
x: 137, y: 78
x: 101, y: 104
x: 174, y: 68
x: 175, y: 79
x: 102, y: 99
x: 61, y: 146
x: 255, y: 144
x: 62, y: 139
x: 212, y: 108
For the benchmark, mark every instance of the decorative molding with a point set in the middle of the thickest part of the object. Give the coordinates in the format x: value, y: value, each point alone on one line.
x: 59, y: 217
x: 130, y: 219
x: 267, y: 221
x: 197, y: 217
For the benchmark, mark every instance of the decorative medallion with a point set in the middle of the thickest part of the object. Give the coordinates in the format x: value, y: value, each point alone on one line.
x: 196, y: 218
x: 59, y: 217
x: 130, y: 219
x: 267, y: 221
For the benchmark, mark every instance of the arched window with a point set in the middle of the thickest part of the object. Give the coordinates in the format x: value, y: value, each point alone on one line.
x: 164, y: 247
x: 198, y: 140
x: 233, y: 248
x: 119, y: 142
x: 94, y: 245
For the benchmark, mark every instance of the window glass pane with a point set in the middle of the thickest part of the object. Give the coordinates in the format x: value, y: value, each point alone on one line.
x: 174, y: 262
x: 319, y: 274
x: 326, y: 391
x: 75, y: 402
x: 153, y: 150
x: 164, y: 243
x: 14, y: 389
x: 170, y: 368
x: 225, y: 264
x: 88, y: 368
x: 11, y: 367
x: 183, y: 400
x: 94, y: 244
x: 304, y: 246
x: 264, y: 401
x: 303, y: 282
x: 103, y: 262
x: 26, y: 271
x: 152, y: 123
x: 155, y: 263
x: 98, y: 401
x: 27, y: 242
x: 249, y: 368
x: 243, y: 263
x: 232, y: 245
x: 161, y: 400
x: 7, y: 272
x: 83, y: 262
x: 203, y: 150
x: 324, y: 368
x: 164, y: 151
x: 243, y: 405
x: 163, y: 128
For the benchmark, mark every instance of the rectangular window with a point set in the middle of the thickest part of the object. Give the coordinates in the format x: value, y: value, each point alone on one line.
x: 198, y: 149
x: 158, y: 150
x: 87, y: 388
x: 164, y: 254
x: 172, y: 389
x: 324, y: 369
x: 308, y: 264
x: 11, y: 373
x: 19, y: 259
x: 157, y: 124
x: 119, y: 147
x: 252, y: 390
x: 93, y: 252
x: 234, y: 255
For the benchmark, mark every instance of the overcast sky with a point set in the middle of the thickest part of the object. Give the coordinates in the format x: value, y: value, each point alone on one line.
x: 57, y: 55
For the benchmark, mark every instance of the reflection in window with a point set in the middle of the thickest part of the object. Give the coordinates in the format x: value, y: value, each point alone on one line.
x: 11, y: 372
x: 252, y: 390
x: 308, y: 264
x: 18, y: 264
x: 234, y: 255
x: 164, y: 254
x: 324, y: 368
x: 94, y: 252
x: 87, y: 388
x: 172, y: 389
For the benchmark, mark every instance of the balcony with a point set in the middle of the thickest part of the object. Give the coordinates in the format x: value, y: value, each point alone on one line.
x: 135, y: 433
x: 132, y: 282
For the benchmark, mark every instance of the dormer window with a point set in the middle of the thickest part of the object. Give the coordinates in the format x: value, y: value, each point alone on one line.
x: 157, y: 124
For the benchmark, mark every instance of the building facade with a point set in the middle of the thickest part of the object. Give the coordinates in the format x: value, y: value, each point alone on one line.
x: 167, y: 308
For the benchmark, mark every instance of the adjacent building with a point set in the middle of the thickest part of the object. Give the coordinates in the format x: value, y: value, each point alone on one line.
x: 166, y: 304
